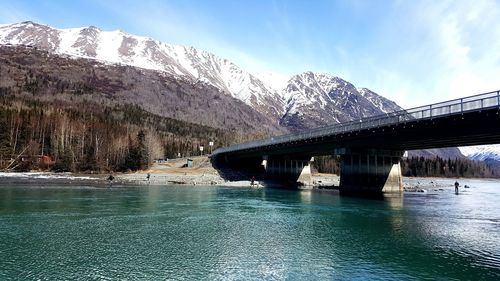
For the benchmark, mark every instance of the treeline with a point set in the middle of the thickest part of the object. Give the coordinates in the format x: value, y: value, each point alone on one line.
x: 423, y: 167
x: 89, y: 137
x: 327, y: 164
x: 438, y: 167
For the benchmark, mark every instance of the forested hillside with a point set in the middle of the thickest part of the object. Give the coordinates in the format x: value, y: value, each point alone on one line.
x: 70, y: 114
x: 91, y: 137
x: 40, y: 75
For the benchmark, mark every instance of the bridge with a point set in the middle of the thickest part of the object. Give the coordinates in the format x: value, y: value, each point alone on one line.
x: 370, y: 149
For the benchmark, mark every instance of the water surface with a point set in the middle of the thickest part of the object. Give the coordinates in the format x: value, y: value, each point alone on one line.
x: 213, y: 233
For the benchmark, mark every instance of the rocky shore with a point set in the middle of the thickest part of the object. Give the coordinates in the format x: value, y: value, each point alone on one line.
x: 434, y: 185
x: 175, y: 171
x: 201, y: 172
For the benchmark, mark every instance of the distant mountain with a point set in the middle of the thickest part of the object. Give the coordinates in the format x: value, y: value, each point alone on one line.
x: 318, y: 99
x: 443, y: 153
x: 489, y: 154
x: 324, y: 99
x: 122, y: 48
x: 180, y: 82
x: 482, y: 152
x: 321, y: 98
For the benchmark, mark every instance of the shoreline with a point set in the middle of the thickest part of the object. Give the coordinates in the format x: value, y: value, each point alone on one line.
x: 175, y: 172
x: 210, y: 178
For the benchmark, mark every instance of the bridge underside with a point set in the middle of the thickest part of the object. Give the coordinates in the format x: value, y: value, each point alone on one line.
x: 370, y: 172
x: 370, y: 157
x: 291, y: 171
x: 363, y: 172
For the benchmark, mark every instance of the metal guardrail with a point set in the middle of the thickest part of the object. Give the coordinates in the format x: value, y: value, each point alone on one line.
x: 457, y: 106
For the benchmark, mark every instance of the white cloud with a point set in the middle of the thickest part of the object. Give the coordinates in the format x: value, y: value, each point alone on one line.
x: 458, y: 56
x: 470, y: 43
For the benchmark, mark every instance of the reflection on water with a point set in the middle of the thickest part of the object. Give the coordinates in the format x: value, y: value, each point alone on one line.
x: 145, y: 233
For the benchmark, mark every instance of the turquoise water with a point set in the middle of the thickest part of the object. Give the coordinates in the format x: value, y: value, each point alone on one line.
x: 214, y: 233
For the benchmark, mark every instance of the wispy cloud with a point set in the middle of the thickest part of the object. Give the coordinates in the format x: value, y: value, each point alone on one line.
x: 457, y: 53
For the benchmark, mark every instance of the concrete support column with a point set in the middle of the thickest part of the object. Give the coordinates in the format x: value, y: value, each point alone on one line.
x: 305, y: 175
x: 289, y: 170
x: 370, y: 171
x: 264, y: 162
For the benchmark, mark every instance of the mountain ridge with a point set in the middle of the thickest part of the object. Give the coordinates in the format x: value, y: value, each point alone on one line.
x: 43, y: 76
x: 319, y: 99
x: 482, y: 153
x: 118, y: 47
x: 144, y: 52
x: 308, y: 100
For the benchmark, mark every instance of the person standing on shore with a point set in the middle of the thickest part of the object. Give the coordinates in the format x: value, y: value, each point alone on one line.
x: 110, y: 179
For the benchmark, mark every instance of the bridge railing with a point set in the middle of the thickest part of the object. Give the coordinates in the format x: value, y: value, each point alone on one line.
x: 457, y: 106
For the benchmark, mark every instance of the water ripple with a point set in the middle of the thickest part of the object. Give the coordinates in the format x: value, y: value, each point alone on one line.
x: 194, y: 233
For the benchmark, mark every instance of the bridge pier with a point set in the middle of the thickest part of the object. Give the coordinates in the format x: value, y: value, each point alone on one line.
x: 297, y: 170
x: 370, y: 172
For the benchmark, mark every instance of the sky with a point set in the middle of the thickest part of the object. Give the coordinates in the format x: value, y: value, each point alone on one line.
x: 413, y: 52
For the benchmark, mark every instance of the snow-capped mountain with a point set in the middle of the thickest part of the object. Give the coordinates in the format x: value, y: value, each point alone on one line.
x: 307, y: 100
x: 319, y: 99
x: 482, y: 152
x: 304, y: 101
x: 324, y: 99
x: 122, y: 48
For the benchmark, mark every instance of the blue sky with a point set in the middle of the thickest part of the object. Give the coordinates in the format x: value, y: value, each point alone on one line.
x: 413, y: 52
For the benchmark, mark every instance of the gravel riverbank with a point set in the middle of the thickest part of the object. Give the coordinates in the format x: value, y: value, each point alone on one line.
x: 202, y: 173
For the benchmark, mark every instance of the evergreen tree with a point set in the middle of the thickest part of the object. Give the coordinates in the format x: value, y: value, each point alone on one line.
x: 142, y: 151
x: 65, y: 163
x: 137, y: 157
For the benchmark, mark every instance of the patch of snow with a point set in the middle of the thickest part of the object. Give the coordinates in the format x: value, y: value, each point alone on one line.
x: 275, y: 81
x: 43, y: 175
x: 68, y: 38
x: 108, y: 44
x: 481, y: 152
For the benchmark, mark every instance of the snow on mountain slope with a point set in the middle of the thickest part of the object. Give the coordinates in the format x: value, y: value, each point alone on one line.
x: 274, y: 80
x: 319, y: 99
x: 385, y: 105
x: 482, y: 152
x: 304, y: 101
x: 122, y: 48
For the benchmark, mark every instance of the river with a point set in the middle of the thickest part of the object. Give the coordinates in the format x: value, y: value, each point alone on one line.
x: 221, y: 233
